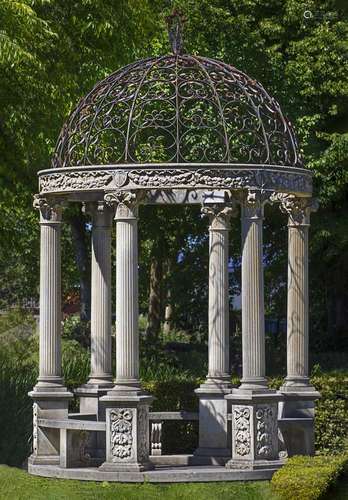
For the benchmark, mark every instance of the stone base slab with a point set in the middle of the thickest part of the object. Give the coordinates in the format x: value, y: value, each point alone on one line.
x: 165, y: 474
x: 254, y: 464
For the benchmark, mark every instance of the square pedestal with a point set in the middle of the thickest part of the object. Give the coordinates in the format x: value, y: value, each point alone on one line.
x: 296, y: 420
x: 214, y: 438
x: 254, y: 430
x: 127, y: 433
x: 46, y: 441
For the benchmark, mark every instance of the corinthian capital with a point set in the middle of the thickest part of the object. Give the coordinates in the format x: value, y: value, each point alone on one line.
x: 252, y: 202
x: 298, y: 209
x: 50, y: 210
x: 219, y: 216
x: 100, y: 211
x: 125, y: 203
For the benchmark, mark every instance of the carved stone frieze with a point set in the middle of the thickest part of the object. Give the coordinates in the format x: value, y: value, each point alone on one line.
x: 121, y: 432
x: 74, y: 181
x: 242, y: 430
x: 174, y: 178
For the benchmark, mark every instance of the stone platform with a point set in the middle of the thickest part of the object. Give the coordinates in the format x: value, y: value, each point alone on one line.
x: 161, y: 474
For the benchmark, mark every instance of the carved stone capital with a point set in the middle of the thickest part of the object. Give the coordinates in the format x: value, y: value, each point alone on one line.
x: 219, y: 216
x: 253, y: 202
x: 297, y: 208
x: 126, y: 203
x: 50, y: 210
x: 100, y: 211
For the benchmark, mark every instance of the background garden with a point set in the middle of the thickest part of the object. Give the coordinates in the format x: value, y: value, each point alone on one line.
x: 51, y: 54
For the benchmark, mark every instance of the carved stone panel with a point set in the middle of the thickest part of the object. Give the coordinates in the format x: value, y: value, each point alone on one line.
x: 122, y: 434
x: 143, y: 433
x: 254, y: 432
x: 242, y: 441
x: 35, y: 428
x: 266, y: 431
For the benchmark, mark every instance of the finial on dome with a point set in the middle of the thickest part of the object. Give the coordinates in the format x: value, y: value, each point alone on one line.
x: 175, y: 23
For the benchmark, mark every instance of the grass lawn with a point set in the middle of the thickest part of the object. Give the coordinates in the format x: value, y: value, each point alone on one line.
x: 18, y: 484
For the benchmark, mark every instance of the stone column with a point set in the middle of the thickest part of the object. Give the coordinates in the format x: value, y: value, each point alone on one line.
x: 50, y: 395
x: 253, y: 320
x: 101, y: 296
x: 299, y: 394
x: 127, y: 405
x: 298, y: 315
x: 254, y: 406
x: 100, y: 379
x: 127, y: 308
x: 213, y: 439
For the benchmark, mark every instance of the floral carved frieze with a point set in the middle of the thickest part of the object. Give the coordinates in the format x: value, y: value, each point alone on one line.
x: 168, y: 178
x: 242, y: 430
x: 74, y: 181
x: 121, y: 431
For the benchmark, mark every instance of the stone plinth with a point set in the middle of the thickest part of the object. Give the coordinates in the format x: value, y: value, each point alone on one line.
x: 254, y: 430
x: 127, y: 433
x: 49, y: 405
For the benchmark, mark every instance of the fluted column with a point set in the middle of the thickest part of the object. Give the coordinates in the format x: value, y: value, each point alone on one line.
x: 298, y: 210
x: 253, y: 321
x: 127, y: 308
x: 218, y: 311
x: 50, y: 372
x: 101, y: 295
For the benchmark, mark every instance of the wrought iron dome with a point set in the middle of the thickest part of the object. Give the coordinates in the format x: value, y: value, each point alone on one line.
x: 177, y: 109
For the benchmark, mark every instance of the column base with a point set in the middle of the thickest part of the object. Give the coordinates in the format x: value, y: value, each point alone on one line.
x: 298, y: 385
x: 254, y: 385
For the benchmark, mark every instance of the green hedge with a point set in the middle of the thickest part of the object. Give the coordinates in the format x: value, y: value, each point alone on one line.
x: 307, y: 478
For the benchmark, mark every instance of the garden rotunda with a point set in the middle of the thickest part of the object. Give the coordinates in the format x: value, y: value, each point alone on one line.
x: 176, y: 129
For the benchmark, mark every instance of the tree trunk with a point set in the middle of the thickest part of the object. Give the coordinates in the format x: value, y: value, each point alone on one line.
x: 82, y: 261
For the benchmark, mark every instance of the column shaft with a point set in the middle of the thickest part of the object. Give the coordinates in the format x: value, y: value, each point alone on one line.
x: 253, y: 322
x: 101, y: 298
x: 218, y: 340
x: 50, y: 299
x: 127, y: 309
x: 297, y: 317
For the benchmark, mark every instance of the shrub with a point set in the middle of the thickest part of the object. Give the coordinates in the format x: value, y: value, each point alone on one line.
x: 307, y: 478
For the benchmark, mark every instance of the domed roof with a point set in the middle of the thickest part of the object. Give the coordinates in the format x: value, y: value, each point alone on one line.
x: 177, y: 109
